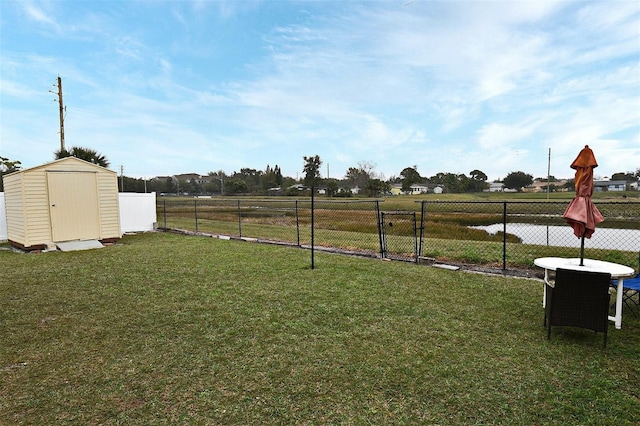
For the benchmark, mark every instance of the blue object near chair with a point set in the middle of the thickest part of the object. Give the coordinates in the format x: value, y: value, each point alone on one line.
x: 631, y: 288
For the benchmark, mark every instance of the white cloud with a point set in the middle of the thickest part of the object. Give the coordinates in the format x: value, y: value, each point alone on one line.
x: 128, y: 46
x: 34, y: 13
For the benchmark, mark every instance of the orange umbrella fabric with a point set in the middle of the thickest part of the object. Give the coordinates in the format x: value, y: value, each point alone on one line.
x: 581, y: 213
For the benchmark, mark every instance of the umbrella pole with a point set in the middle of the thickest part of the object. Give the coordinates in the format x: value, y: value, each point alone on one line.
x: 582, y: 250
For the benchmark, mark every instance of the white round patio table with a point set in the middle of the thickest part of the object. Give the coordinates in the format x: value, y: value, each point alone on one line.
x: 617, y: 271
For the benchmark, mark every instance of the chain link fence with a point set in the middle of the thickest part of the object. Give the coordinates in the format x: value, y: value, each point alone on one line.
x: 498, y: 235
x: 508, y: 234
x: 350, y: 226
x: 399, y: 235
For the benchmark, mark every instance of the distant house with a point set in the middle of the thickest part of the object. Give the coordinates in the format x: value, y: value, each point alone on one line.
x: 193, y: 177
x: 416, y: 188
x: 419, y: 188
x: 541, y: 186
x: 185, y: 177
x: 299, y: 187
x: 609, y: 185
x: 536, y: 187
x: 396, y: 189
x: 496, y: 187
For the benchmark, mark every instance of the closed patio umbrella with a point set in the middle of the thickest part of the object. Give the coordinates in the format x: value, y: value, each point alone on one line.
x: 581, y: 213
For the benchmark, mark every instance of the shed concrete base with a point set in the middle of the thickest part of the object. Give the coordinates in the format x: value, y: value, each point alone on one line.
x: 79, y: 245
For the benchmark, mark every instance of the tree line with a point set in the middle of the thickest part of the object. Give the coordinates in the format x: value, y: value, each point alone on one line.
x: 270, y: 181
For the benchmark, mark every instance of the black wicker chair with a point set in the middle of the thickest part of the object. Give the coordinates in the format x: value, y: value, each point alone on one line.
x: 578, y: 299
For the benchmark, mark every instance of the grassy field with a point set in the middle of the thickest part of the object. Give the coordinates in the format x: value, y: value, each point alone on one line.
x: 169, y: 329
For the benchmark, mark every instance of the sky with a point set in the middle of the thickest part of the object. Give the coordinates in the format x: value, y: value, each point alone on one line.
x: 178, y: 86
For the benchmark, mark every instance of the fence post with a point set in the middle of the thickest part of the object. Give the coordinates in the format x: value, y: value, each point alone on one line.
x: 422, y: 211
x: 312, y: 227
x: 195, y: 211
x: 504, y: 236
x: 164, y: 212
x: 379, y: 219
x: 415, y: 243
x: 239, y: 220
x: 297, y: 223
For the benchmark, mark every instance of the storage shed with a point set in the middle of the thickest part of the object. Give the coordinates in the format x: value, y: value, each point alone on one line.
x: 65, y: 200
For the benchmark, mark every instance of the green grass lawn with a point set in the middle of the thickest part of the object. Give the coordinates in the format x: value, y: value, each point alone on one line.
x: 170, y: 329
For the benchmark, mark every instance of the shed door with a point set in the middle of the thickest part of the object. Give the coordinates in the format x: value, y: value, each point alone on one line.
x: 73, y: 203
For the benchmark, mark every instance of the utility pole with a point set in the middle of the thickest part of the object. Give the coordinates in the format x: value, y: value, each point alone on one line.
x: 122, y: 179
x: 62, y: 110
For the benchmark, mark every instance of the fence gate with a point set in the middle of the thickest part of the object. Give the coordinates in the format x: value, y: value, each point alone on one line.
x: 399, y: 237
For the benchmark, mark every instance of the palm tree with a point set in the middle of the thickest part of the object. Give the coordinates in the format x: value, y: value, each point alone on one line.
x: 85, y: 154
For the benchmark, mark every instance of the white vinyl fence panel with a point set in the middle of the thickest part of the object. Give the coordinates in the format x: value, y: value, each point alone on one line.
x: 137, y: 213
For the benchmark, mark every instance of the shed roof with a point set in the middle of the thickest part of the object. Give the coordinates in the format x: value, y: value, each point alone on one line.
x: 66, y: 160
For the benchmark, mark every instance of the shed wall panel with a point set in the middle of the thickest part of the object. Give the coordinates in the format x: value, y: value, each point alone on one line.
x: 14, y: 208
x: 36, y: 208
x: 109, y: 209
